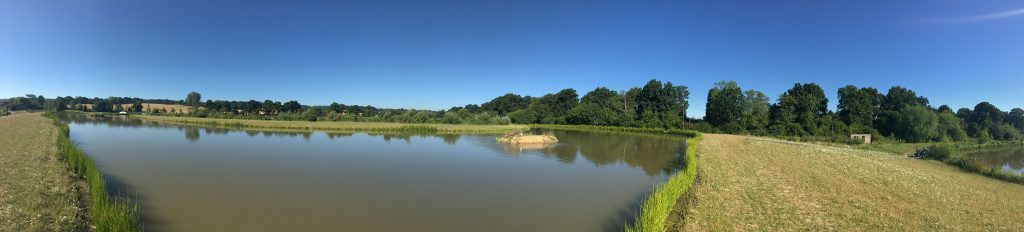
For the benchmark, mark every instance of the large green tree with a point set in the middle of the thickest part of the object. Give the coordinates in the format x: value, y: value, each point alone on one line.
x: 506, y: 104
x: 193, y: 99
x: 1016, y: 118
x: 915, y: 123
x: 894, y: 101
x: 725, y: 106
x: 858, y: 107
x: 950, y: 128
x: 799, y: 109
x: 755, y: 111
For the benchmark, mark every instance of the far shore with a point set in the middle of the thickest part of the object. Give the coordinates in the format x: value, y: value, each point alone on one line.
x: 273, y: 125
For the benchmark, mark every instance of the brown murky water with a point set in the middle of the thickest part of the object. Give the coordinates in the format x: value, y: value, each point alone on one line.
x: 1009, y: 159
x: 208, y: 179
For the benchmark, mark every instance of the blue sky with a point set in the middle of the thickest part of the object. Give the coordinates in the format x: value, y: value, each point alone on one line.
x: 437, y: 54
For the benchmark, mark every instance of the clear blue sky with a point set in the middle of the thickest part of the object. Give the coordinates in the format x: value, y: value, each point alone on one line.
x: 437, y: 54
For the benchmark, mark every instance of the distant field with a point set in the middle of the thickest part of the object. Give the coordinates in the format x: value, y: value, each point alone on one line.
x: 37, y: 192
x: 147, y: 106
x: 334, y: 126
x: 751, y: 183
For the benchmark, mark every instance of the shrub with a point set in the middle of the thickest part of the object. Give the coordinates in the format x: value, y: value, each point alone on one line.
x: 942, y: 151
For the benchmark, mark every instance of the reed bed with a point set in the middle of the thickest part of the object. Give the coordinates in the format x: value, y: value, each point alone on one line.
x: 107, y: 213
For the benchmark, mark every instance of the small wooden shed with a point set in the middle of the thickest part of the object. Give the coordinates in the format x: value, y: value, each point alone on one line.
x: 865, y: 137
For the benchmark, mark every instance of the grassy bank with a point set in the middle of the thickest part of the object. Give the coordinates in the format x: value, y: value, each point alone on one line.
x: 751, y: 183
x: 665, y: 199
x: 107, y: 213
x: 37, y: 192
x: 656, y: 208
x: 334, y: 126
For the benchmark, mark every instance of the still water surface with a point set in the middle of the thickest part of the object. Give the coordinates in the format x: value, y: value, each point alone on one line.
x: 1007, y: 159
x: 208, y: 179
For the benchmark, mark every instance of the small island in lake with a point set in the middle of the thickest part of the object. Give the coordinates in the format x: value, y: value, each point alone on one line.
x: 520, y: 138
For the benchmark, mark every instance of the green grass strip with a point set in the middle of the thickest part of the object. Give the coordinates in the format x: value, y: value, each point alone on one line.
x: 108, y: 213
x: 657, y: 206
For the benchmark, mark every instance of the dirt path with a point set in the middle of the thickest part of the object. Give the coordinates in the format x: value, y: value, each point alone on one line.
x: 750, y: 183
x: 37, y: 192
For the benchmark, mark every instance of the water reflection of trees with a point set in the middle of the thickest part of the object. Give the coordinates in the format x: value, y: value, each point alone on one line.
x: 655, y: 154
x: 1012, y: 158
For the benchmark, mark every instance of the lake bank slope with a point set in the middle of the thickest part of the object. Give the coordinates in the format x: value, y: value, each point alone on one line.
x: 37, y: 191
x: 753, y: 183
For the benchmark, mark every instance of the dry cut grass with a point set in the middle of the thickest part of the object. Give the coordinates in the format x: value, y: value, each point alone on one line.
x: 750, y: 183
x: 37, y: 192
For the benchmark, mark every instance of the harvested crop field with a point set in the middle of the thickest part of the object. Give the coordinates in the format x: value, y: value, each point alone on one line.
x: 752, y: 183
x: 37, y: 192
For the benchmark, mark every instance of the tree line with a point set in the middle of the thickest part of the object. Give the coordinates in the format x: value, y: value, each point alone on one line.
x: 899, y: 114
x: 110, y: 104
x: 799, y: 112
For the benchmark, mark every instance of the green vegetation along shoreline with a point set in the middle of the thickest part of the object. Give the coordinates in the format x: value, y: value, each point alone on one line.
x: 334, y: 126
x: 959, y: 155
x: 659, y: 205
x: 107, y: 213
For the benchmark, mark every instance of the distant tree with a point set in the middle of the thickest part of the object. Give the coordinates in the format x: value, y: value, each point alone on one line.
x: 601, y: 97
x: 592, y: 114
x: 984, y: 117
x: 58, y: 105
x: 270, y: 107
x: 894, y: 101
x: 799, y: 109
x: 945, y: 108
x: 725, y: 105
x: 1016, y: 118
x: 858, y: 107
x: 915, y: 123
x: 337, y: 108
x: 650, y: 98
x: 102, y: 106
x: 664, y: 103
x: 137, y: 106
x: 950, y: 127
x: 506, y: 104
x: 681, y: 96
x: 291, y: 106
x: 552, y: 108
x: 473, y: 108
x: 899, y: 97
x: 755, y: 112
x: 252, y: 106
x: 211, y: 105
x: 193, y: 99
x: 524, y: 116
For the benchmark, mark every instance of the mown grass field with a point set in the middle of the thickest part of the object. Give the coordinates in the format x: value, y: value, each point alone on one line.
x: 37, y: 191
x: 334, y: 126
x: 751, y: 183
